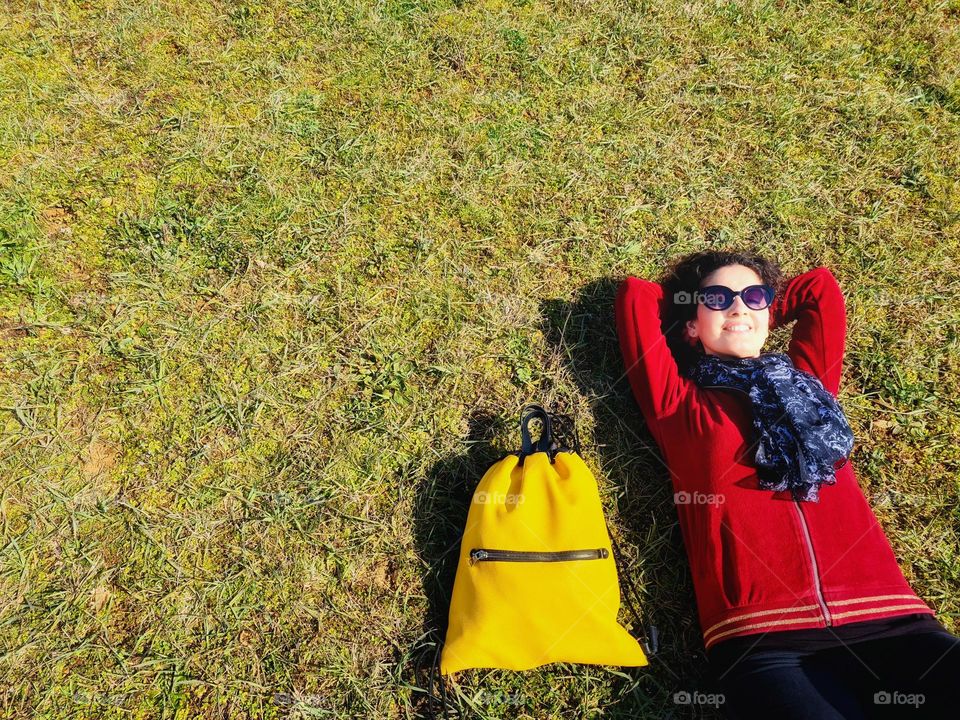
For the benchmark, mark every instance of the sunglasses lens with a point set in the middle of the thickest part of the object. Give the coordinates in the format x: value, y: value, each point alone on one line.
x: 755, y: 297
x: 716, y: 297
x: 719, y: 297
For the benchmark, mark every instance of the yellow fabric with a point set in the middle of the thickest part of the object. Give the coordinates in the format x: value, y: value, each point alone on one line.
x: 520, y: 615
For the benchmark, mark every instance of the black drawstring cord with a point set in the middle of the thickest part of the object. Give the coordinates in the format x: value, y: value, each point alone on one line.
x: 445, y: 705
x: 438, y: 702
x: 565, y: 438
x: 649, y: 636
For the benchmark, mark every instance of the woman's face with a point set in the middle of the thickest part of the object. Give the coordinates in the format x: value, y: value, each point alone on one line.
x: 718, y: 329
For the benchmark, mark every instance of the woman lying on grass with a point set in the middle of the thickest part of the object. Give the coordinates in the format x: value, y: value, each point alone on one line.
x: 803, y: 608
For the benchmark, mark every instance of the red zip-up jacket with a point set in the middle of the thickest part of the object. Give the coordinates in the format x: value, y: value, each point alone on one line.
x: 760, y: 561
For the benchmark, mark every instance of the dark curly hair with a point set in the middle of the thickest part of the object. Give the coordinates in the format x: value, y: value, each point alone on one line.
x: 685, y: 276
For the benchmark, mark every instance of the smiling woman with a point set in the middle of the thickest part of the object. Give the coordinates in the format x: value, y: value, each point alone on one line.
x: 712, y: 308
x: 732, y: 323
x: 799, y: 594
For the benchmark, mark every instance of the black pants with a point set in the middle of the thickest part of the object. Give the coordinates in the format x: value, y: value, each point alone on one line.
x: 908, y: 676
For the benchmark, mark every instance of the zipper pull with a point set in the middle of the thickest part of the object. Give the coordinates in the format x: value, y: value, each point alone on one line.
x: 476, y: 555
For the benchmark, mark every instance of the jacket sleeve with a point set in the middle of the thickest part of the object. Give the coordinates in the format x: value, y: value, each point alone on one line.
x: 651, y: 368
x: 815, y: 301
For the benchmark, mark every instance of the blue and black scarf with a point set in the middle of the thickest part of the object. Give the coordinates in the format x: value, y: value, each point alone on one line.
x: 804, y: 435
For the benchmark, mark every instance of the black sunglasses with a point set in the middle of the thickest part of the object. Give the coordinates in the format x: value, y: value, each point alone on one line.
x: 720, y: 297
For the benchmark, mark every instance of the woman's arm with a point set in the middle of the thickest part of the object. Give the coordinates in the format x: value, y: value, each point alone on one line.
x: 650, y: 365
x: 815, y: 301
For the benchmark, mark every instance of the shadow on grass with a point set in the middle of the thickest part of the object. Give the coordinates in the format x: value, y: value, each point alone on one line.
x: 440, y: 515
x: 644, y: 522
x: 583, y: 334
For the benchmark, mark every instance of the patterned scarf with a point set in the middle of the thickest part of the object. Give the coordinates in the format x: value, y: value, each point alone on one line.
x: 804, y: 434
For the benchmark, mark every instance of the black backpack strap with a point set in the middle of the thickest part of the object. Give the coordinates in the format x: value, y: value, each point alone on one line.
x: 559, y: 433
x: 546, y: 434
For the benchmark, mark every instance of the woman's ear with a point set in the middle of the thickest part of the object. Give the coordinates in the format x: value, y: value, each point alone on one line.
x: 690, y: 334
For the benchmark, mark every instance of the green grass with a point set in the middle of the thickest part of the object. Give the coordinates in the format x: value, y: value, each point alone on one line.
x: 276, y: 279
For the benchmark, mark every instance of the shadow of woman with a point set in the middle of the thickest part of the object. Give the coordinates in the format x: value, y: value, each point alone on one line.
x: 634, y: 479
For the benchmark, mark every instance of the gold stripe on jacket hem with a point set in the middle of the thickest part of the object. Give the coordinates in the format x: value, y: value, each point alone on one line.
x: 793, y: 621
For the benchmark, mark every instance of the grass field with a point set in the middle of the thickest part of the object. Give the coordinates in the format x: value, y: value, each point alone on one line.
x: 276, y: 279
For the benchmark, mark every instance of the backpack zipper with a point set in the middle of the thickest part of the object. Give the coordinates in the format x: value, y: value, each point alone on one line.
x: 806, y: 538
x: 481, y: 554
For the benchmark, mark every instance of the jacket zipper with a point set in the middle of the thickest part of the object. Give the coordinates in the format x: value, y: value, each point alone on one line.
x: 806, y: 537
x: 813, y: 564
x: 481, y: 554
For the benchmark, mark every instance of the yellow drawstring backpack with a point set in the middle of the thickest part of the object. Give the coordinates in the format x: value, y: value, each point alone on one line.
x: 536, y: 581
